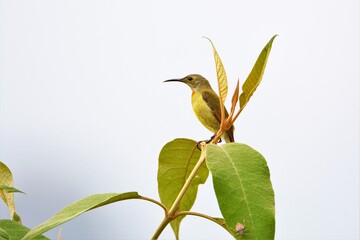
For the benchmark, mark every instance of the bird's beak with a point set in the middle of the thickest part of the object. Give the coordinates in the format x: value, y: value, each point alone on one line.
x: 174, y: 80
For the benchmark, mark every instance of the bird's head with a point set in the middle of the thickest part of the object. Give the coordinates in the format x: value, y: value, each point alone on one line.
x: 194, y: 81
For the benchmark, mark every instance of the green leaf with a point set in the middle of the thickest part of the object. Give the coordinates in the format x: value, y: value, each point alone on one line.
x: 221, y: 74
x: 6, y: 181
x: 4, y: 235
x: 256, y: 74
x: 243, y: 189
x: 176, y: 161
x: 14, y: 230
x: 8, y: 189
x: 78, y: 208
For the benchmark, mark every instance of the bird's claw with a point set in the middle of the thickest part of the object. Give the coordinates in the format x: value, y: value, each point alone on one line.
x: 212, y: 137
x: 207, y: 141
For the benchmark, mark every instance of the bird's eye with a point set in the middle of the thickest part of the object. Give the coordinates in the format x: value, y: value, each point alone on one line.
x: 190, y: 78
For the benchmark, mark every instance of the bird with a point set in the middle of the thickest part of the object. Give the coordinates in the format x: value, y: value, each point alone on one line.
x: 206, y: 105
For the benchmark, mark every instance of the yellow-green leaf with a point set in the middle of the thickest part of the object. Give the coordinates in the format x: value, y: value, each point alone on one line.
x: 78, y: 208
x: 6, y: 181
x: 221, y: 74
x: 9, y: 189
x: 176, y: 161
x: 256, y: 74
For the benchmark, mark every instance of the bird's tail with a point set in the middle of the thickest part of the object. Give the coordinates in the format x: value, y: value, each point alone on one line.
x: 229, y: 135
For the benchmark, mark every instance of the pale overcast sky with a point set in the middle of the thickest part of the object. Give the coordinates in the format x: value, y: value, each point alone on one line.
x: 83, y: 107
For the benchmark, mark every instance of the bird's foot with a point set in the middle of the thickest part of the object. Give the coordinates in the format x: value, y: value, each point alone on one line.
x: 212, y: 137
x: 207, y: 141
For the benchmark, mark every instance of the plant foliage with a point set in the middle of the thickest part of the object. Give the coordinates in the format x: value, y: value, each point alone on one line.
x: 7, y: 191
x: 243, y: 189
x: 240, y: 176
x: 176, y: 161
x: 256, y: 74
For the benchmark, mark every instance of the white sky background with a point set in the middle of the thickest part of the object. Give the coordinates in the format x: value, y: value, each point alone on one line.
x: 83, y: 109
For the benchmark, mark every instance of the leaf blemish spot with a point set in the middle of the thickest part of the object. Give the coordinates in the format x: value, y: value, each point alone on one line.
x: 240, y: 228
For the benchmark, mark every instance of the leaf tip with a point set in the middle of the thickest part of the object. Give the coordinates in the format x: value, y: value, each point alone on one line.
x: 207, y: 38
x: 273, y: 37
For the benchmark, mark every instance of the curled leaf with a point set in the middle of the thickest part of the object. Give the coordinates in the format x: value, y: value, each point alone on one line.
x: 234, y: 99
x: 222, y: 79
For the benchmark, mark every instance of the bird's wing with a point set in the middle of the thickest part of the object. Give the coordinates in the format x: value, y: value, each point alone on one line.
x: 212, y: 100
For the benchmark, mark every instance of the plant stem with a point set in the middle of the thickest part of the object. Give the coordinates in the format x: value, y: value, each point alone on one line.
x: 217, y: 136
x: 154, y: 201
x: 215, y: 220
x: 161, y: 227
x: 171, y: 214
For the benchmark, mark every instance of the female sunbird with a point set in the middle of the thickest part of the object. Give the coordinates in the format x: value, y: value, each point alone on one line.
x: 205, y: 103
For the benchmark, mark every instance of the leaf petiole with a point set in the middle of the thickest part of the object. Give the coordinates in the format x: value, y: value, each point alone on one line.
x: 218, y: 221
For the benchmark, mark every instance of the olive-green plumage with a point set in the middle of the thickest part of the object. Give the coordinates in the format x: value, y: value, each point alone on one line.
x: 205, y: 103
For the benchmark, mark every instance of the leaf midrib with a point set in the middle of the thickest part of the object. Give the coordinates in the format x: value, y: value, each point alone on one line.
x: 242, y: 188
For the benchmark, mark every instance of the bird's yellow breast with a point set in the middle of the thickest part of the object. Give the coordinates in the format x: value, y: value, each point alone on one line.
x: 204, y: 113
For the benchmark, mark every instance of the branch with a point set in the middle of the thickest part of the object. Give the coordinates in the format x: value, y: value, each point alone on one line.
x: 154, y: 201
